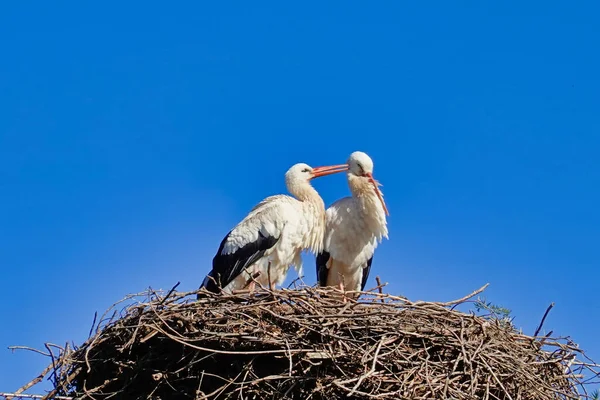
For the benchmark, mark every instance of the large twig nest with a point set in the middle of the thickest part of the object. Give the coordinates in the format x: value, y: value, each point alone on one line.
x: 305, y: 344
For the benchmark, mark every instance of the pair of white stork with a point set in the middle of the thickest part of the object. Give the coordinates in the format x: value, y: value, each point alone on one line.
x: 270, y: 239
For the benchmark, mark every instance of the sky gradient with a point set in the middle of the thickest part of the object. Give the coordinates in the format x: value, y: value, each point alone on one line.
x: 133, y: 136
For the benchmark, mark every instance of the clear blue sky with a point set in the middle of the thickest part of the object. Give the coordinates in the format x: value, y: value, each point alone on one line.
x: 133, y: 136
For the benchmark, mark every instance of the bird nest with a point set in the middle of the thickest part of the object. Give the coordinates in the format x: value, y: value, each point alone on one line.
x: 306, y: 344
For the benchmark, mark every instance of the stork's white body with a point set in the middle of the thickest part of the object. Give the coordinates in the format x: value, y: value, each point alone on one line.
x: 355, y: 227
x: 298, y: 225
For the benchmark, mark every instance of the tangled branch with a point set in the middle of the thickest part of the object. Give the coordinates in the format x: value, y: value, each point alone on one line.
x: 307, y: 344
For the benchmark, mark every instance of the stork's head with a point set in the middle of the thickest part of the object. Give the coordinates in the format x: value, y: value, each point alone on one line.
x: 297, y: 178
x: 360, y: 168
x: 360, y: 164
x: 304, y: 172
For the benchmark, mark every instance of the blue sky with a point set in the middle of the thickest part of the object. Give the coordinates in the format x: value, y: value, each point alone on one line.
x: 133, y: 137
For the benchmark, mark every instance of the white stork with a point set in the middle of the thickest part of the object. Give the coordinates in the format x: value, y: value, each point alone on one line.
x: 355, y: 226
x: 273, y: 235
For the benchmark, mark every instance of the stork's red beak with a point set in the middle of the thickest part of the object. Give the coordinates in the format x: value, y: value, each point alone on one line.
x: 378, y: 192
x: 328, y: 170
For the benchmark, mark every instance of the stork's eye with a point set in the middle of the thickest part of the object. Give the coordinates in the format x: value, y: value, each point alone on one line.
x: 360, y: 166
x: 306, y: 170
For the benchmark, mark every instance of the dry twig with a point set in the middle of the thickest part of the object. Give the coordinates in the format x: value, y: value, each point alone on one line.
x: 306, y: 344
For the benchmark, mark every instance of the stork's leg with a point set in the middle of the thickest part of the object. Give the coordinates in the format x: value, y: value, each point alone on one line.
x: 252, y: 284
x: 269, y: 276
x: 341, y: 285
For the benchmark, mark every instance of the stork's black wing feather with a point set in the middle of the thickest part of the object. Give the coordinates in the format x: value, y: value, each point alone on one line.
x: 322, y: 270
x: 226, y: 267
x: 365, y: 274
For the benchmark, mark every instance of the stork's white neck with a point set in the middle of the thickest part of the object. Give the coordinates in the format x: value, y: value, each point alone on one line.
x: 303, y: 191
x: 314, y: 213
x: 369, y: 204
x: 361, y: 188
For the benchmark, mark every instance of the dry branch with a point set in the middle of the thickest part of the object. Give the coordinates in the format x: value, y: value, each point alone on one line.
x: 307, y: 344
